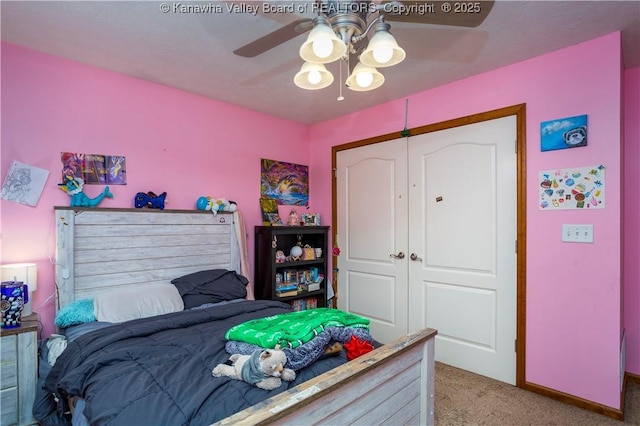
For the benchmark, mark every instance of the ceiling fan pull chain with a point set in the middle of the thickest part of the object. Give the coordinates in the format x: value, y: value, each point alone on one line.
x: 340, y: 97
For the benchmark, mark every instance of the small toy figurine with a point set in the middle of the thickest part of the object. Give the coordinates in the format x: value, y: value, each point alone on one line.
x: 293, y: 218
x: 73, y: 187
x: 150, y: 200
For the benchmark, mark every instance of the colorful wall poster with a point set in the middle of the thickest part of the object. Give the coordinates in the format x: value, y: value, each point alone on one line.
x: 94, y: 169
x: 579, y: 188
x: 287, y: 183
x: 24, y: 184
x: 570, y: 132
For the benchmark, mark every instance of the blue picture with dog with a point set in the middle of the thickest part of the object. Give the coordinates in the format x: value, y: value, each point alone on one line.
x: 570, y: 132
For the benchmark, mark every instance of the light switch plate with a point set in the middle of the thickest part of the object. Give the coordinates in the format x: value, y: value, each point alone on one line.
x: 577, y: 233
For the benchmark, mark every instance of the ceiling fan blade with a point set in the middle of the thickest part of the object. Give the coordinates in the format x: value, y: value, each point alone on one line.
x: 275, y: 38
x: 460, y: 14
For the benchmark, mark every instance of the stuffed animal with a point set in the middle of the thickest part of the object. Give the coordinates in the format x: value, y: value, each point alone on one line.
x: 264, y: 368
x: 150, y: 199
x: 73, y: 186
x: 216, y: 204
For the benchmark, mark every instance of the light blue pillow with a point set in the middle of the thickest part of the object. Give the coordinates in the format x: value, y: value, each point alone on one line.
x: 77, y: 312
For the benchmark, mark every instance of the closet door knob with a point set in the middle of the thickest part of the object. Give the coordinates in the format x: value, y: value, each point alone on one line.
x: 415, y: 257
x: 397, y: 256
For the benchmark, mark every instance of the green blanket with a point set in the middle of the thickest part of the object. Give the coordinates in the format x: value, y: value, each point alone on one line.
x: 293, y: 329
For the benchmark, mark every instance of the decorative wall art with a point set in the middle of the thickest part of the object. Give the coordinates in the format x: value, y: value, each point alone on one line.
x: 94, y: 169
x: 570, y: 132
x: 579, y: 188
x: 287, y: 183
x: 269, y: 209
x: 24, y: 184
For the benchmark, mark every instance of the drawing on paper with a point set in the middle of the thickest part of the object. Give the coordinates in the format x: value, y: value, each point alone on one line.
x: 24, y: 184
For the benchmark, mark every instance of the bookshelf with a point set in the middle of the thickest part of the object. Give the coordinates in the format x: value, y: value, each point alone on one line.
x: 301, y: 280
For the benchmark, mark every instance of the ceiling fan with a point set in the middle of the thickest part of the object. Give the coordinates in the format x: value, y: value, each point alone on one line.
x: 341, y: 29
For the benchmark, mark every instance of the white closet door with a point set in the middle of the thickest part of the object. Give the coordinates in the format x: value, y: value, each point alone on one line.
x: 462, y: 233
x: 372, y: 223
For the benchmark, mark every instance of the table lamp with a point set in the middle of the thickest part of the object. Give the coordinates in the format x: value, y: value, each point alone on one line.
x: 25, y: 272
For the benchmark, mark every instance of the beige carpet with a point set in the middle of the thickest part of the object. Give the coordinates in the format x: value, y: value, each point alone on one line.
x: 466, y: 399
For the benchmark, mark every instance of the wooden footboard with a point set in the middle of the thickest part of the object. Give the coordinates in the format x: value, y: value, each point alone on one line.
x: 393, y: 384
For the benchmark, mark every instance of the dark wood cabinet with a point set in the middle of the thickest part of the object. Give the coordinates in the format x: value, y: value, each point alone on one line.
x: 298, y: 280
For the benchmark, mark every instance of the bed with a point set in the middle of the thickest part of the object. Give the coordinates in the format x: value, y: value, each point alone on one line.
x: 159, y: 367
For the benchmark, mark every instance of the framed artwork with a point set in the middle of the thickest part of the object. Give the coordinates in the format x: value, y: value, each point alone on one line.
x: 311, y: 219
x: 269, y: 209
x: 287, y: 183
x: 570, y: 132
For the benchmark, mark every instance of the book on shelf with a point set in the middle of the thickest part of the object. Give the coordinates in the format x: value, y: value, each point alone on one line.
x: 313, y: 274
x: 287, y: 290
x: 286, y: 287
x: 304, y: 304
x: 290, y: 276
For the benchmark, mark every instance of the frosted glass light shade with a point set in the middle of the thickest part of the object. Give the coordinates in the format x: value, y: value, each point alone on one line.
x: 382, y: 51
x: 313, y: 77
x: 323, y: 45
x: 363, y: 74
x: 22, y: 272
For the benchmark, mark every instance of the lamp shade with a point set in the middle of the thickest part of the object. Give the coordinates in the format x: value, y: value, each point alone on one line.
x: 24, y: 272
x: 364, y: 78
x: 382, y: 51
x: 313, y: 77
x: 323, y: 45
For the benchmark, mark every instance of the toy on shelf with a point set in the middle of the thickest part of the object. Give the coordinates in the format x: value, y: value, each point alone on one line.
x: 293, y: 220
x: 216, y: 204
x: 149, y: 199
x: 73, y: 187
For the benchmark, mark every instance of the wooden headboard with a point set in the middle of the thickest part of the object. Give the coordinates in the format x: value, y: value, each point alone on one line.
x: 99, y: 249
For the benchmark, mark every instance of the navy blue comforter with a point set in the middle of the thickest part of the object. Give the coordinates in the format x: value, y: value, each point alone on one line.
x: 157, y: 371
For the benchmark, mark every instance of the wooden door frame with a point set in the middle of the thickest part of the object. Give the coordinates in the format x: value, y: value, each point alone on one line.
x: 521, y: 256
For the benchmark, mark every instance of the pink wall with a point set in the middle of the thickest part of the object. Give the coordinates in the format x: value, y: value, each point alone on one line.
x: 632, y: 219
x: 51, y: 105
x: 573, y: 291
x: 173, y: 141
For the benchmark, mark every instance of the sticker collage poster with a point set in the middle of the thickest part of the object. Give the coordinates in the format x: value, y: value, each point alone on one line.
x: 567, y: 189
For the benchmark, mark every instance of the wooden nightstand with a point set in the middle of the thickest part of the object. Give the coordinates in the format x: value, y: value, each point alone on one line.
x: 18, y: 372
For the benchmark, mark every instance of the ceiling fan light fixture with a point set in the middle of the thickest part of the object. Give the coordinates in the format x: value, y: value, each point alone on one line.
x: 364, y: 77
x: 313, y: 77
x: 323, y: 45
x: 383, y: 49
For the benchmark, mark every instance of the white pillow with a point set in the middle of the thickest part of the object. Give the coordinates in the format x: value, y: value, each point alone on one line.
x: 137, y: 302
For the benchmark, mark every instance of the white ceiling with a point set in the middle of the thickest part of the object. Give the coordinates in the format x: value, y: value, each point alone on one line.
x: 194, y: 51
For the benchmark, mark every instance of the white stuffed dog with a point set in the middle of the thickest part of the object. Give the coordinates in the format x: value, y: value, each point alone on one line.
x: 263, y: 368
